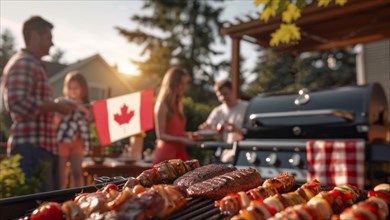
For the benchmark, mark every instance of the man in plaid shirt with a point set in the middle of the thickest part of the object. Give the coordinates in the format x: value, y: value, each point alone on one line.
x: 28, y: 98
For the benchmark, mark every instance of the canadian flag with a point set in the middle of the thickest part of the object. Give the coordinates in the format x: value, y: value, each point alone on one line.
x: 123, y: 116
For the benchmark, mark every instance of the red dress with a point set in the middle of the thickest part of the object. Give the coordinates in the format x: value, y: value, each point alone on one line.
x: 167, y: 150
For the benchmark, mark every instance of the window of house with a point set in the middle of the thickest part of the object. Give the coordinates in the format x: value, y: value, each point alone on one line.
x: 98, y: 91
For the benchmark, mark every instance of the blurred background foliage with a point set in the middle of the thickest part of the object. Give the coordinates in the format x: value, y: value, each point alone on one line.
x: 12, y: 179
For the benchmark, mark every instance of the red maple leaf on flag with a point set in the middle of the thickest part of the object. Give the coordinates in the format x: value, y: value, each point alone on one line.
x: 124, y: 117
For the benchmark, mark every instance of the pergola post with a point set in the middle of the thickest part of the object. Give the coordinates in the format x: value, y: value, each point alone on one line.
x: 235, y: 66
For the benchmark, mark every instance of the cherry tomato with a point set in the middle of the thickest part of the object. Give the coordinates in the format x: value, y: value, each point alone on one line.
x: 48, y: 211
x: 109, y: 187
x: 382, y: 194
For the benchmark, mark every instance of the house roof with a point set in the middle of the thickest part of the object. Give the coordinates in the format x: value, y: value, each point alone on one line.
x: 334, y: 26
x: 53, y: 68
x: 79, y: 64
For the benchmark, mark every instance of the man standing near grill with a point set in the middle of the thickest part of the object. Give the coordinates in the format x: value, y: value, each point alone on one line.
x: 227, y: 118
x: 27, y: 96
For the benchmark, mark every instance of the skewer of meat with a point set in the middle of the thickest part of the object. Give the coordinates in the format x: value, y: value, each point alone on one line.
x: 159, y: 201
x: 163, y: 173
x: 321, y: 206
x: 232, y: 203
x: 375, y: 207
x: 129, y: 203
x: 264, y: 209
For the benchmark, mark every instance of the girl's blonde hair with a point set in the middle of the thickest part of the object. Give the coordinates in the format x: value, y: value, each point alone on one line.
x: 80, y: 79
x: 172, y: 80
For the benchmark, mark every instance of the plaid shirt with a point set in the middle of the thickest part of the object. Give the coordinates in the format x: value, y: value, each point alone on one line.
x: 71, y: 125
x: 25, y: 87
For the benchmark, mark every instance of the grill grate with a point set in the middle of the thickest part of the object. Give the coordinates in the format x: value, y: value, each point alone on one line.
x: 198, y: 209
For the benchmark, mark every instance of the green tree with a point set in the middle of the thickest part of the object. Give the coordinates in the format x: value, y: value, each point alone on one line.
x: 332, y: 68
x: 274, y: 73
x: 187, y: 31
x: 286, y: 73
x: 7, y: 48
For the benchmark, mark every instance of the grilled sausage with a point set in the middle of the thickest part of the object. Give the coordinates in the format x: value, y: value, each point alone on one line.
x: 202, y: 173
x: 222, y: 185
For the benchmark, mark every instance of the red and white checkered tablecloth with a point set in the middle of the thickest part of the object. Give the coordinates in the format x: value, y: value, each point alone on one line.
x: 336, y: 162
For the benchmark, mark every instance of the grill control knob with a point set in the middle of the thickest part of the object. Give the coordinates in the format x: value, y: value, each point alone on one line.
x: 273, y: 160
x: 252, y: 158
x: 297, y: 130
x: 296, y: 161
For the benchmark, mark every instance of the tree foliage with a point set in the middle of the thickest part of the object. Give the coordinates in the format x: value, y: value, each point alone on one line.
x: 285, y: 73
x: 291, y: 11
x: 7, y: 48
x: 184, y: 33
x: 57, y: 56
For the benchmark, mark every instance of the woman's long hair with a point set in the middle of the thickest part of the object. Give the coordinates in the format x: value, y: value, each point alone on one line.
x: 172, y: 80
x: 80, y: 79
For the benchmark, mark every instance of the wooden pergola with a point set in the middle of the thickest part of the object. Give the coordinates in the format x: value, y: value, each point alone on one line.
x: 322, y: 28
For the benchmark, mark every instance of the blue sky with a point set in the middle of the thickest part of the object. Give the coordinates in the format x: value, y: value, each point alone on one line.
x: 84, y: 28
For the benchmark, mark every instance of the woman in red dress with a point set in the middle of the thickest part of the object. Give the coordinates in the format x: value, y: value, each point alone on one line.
x: 170, y: 120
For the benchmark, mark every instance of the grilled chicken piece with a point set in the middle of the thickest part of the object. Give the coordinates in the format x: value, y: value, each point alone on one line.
x: 283, y: 183
x: 222, y: 185
x: 159, y: 201
x: 202, y: 173
x: 146, y: 205
x: 72, y: 211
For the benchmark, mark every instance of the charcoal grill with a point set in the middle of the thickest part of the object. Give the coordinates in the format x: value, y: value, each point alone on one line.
x: 278, y: 127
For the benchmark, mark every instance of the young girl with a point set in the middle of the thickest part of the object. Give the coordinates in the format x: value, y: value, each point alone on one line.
x: 73, y: 130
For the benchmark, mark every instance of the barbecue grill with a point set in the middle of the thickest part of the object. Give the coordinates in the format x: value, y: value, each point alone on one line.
x: 278, y: 127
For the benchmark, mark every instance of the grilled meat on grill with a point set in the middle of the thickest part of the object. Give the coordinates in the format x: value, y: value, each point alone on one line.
x: 371, y: 208
x: 158, y: 201
x: 283, y: 183
x: 202, y: 173
x: 232, y: 203
x: 292, y: 205
x: 165, y: 172
x: 222, y: 185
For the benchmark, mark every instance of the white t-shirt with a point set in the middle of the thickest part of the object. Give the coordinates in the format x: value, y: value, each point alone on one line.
x: 234, y: 115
